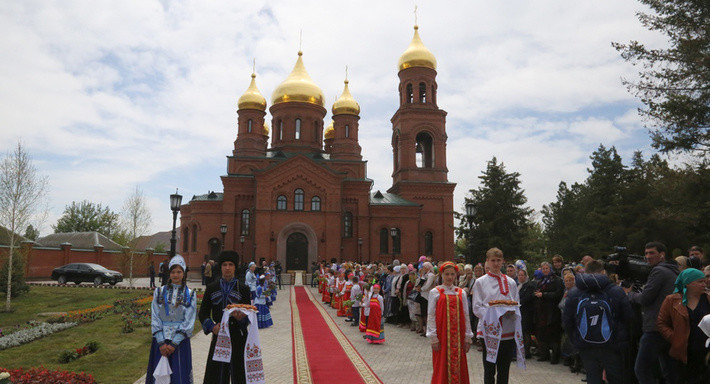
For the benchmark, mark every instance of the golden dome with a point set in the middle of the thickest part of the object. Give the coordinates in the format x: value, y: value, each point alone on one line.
x: 417, y: 55
x: 266, y: 129
x: 298, y: 86
x: 329, y: 132
x: 252, y: 98
x: 346, y: 104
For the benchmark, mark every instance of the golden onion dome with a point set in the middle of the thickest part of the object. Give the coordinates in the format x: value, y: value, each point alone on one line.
x: 266, y: 129
x: 329, y: 132
x: 417, y: 55
x: 346, y: 104
x: 298, y: 86
x: 252, y: 98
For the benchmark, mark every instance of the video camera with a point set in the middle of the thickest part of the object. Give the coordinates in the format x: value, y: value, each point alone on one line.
x: 631, y: 269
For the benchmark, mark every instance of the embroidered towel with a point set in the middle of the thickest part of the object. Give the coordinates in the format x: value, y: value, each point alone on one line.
x: 162, y: 371
x: 492, y: 332
x: 253, y: 365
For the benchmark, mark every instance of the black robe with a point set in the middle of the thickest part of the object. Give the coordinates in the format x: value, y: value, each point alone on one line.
x: 213, y: 304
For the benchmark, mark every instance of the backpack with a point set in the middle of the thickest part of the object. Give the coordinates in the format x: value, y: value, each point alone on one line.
x: 594, y: 318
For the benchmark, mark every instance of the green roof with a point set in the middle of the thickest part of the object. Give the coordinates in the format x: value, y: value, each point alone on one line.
x: 379, y: 198
x: 212, y: 196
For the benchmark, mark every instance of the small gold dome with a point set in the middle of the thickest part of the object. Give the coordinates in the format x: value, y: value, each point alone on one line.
x: 266, y: 129
x: 252, y: 98
x: 298, y: 86
x: 417, y: 55
x: 346, y: 104
x: 329, y: 132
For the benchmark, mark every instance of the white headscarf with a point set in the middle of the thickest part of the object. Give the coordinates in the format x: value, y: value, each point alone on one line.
x: 177, y: 260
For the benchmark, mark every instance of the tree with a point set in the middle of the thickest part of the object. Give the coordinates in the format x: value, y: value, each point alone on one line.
x: 501, y: 218
x: 31, y: 233
x: 22, y: 195
x: 86, y: 217
x: 674, y: 82
x: 135, y: 220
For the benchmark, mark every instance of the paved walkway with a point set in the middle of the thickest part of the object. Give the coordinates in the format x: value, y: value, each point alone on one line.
x: 404, y: 358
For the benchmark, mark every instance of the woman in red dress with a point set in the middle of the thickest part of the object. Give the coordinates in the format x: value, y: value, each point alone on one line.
x: 375, y: 333
x: 449, y: 328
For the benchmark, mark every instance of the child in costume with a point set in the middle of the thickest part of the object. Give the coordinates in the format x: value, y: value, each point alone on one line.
x: 264, y: 315
x: 375, y: 333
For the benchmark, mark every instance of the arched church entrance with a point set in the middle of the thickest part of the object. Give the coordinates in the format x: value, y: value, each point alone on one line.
x: 297, y: 252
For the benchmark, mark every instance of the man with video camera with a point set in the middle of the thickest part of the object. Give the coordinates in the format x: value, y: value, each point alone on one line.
x: 653, y: 348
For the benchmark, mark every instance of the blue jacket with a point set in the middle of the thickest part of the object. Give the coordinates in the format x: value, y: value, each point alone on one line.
x: 618, y: 302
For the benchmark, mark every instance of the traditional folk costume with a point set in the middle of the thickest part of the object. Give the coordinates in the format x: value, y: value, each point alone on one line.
x: 498, y: 326
x: 345, y: 296
x: 326, y: 289
x: 321, y: 280
x: 375, y: 333
x: 251, y: 280
x: 356, y: 298
x: 264, y: 314
x: 337, y: 297
x: 364, y: 310
x: 217, y: 296
x: 449, y: 325
x: 172, y: 321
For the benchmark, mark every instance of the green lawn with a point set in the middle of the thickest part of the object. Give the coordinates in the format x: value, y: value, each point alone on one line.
x: 122, y: 358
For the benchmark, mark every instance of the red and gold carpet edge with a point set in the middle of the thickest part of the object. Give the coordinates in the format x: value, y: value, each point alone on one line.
x: 321, y: 352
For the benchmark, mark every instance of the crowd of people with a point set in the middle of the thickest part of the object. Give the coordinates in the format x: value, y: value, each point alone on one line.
x: 575, y: 313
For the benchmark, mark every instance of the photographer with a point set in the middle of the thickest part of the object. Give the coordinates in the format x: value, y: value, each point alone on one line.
x: 653, y: 348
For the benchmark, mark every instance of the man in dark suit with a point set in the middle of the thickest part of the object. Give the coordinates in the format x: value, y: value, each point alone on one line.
x: 220, y: 293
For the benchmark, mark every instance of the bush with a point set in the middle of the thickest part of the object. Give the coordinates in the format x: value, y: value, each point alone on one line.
x: 18, y: 274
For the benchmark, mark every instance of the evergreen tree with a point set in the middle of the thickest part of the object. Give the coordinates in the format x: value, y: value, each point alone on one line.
x: 501, y: 218
x: 87, y: 217
x: 674, y: 82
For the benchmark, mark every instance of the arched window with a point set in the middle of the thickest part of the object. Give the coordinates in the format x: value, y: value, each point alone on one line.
x: 347, y: 131
x: 245, y: 222
x: 298, y: 200
x: 396, y: 153
x: 397, y: 242
x: 422, y: 93
x: 315, y: 204
x: 424, y: 151
x: 316, y: 132
x: 410, y: 94
x: 281, y: 203
x: 428, y: 243
x: 347, y: 224
x: 249, y: 126
x: 298, y: 129
x: 281, y: 130
x: 194, y: 238
x: 185, y: 239
x: 384, y: 241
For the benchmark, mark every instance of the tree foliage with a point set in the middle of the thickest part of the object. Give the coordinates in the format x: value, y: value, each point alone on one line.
x: 674, y: 83
x: 501, y: 218
x: 629, y: 206
x: 22, y: 197
x: 87, y: 217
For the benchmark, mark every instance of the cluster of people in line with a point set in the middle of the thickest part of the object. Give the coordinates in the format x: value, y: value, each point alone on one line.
x: 577, y: 313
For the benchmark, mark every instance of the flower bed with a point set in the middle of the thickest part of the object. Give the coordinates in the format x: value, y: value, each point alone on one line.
x: 68, y: 355
x: 83, y: 315
x: 43, y: 375
x: 24, y: 336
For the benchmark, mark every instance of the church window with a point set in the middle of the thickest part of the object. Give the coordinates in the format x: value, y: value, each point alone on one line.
x: 281, y: 203
x: 410, y: 94
x: 424, y: 151
x: 396, y: 153
x: 347, y: 131
x: 384, y: 240
x: 281, y: 130
x: 397, y: 242
x: 428, y: 243
x: 348, y: 224
x: 315, y: 204
x: 249, y: 126
x: 194, y: 238
x: 245, y: 222
x: 422, y: 93
x: 185, y: 239
x: 298, y: 200
x: 298, y: 129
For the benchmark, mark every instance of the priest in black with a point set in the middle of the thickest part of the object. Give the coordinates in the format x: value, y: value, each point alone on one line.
x: 227, y: 290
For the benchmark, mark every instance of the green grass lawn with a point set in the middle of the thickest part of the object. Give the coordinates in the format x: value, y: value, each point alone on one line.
x: 122, y: 357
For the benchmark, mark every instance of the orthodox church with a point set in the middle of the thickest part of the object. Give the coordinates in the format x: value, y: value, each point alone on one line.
x: 298, y: 192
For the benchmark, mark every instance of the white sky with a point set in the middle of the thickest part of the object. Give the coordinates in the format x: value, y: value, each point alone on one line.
x: 110, y: 95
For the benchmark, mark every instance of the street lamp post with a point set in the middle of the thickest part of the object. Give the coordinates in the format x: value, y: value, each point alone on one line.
x: 359, y: 250
x: 223, y: 231
x: 470, y: 213
x: 393, y: 233
x: 175, y: 201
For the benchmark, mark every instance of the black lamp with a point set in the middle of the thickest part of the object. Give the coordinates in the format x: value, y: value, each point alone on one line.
x: 175, y: 201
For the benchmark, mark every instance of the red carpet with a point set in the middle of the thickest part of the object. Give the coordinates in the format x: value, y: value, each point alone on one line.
x: 321, y: 352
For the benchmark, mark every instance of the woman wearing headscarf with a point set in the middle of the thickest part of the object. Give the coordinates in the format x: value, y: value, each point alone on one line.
x: 547, y: 314
x: 526, y: 290
x: 251, y: 280
x: 678, y: 321
x: 172, y: 321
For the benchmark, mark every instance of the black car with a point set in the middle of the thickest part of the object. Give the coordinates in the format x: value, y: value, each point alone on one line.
x: 80, y: 272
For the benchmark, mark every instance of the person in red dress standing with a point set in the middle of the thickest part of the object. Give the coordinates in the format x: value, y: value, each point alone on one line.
x: 375, y: 333
x: 449, y: 328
